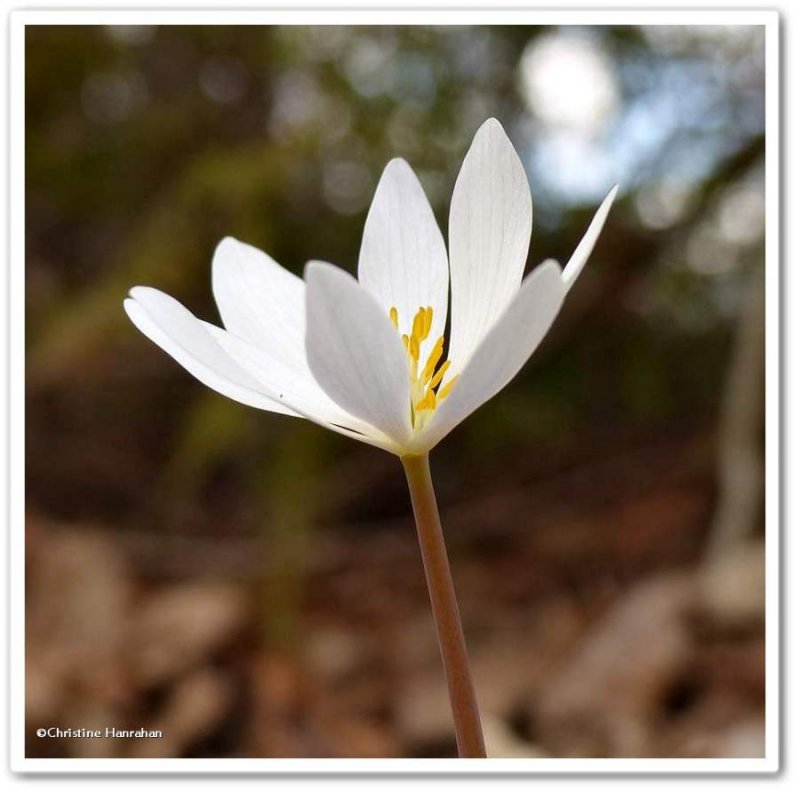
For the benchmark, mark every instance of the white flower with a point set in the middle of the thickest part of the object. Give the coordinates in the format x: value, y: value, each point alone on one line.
x: 365, y: 357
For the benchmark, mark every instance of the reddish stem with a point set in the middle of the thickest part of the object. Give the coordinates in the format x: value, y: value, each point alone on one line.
x: 469, y: 735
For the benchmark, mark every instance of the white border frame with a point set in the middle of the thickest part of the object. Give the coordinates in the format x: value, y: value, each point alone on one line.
x: 18, y: 20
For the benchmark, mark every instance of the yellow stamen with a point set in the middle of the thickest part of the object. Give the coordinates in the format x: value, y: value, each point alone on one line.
x: 428, y: 322
x: 437, y: 378
x: 413, y: 347
x: 445, y: 390
x: 428, y: 402
x: 418, y: 324
x: 433, y: 359
x: 421, y: 324
x: 424, y: 381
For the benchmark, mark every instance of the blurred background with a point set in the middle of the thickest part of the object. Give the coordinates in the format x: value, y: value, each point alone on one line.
x: 250, y: 584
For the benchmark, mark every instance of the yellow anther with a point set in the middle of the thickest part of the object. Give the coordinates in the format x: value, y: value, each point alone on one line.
x: 433, y: 360
x: 413, y: 347
x: 427, y: 322
x: 437, y: 378
x: 418, y: 324
x: 421, y: 325
x: 445, y: 390
x: 425, y: 381
x: 428, y: 402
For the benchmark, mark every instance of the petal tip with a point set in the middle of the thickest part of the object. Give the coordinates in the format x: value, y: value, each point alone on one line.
x: 227, y: 248
x: 493, y: 131
x: 550, y: 265
x: 492, y: 124
x: 585, y: 247
x: 226, y: 242
x: 315, y: 269
x: 397, y: 162
x: 400, y: 171
x: 138, y: 293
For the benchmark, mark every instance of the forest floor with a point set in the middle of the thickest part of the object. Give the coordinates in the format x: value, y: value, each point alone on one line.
x: 597, y: 623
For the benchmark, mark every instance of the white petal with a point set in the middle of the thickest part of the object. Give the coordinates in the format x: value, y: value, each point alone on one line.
x: 403, y: 259
x: 303, y: 393
x: 259, y: 300
x: 180, y: 334
x: 503, y: 352
x: 264, y: 304
x: 196, y: 346
x: 581, y: 255
x: 354, y: 352
x: 490, y: 230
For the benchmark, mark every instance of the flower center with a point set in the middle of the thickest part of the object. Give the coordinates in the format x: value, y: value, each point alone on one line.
x: 427, y: 386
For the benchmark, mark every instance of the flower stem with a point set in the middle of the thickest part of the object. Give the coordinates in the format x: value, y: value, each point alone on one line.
x: 469, y: 735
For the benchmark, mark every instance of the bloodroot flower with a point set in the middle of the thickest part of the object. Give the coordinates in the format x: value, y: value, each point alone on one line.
x: 368, y: 358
